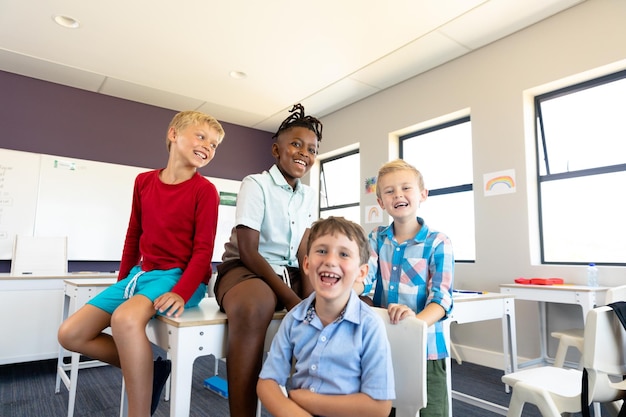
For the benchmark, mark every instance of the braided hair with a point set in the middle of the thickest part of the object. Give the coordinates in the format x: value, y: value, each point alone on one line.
x: 297, y: 118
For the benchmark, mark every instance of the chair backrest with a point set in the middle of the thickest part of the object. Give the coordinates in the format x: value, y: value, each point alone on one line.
x: 604, y: 353
x: 408, y: 353
x: 39, y: 255
x: 614, y: 294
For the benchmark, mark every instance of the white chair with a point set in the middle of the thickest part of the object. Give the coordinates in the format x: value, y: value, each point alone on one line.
x: 39, y: 255
x: 558, y: 390
x: 408, y: 354
x: 574, y: 337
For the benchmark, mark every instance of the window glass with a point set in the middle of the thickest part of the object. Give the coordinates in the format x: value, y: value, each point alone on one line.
x: 443, y: 154
x: 581, y: 154
x: 339, y: 186
x: 434, y: 153
x: 583, y: 219
x: 585, y: 129
x: 351, y: 213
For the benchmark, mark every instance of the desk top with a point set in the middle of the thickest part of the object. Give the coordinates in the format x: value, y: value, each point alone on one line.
x: 104, y: 281
x: 469, y: 297
x: 556, y: 287
x: 70, y: 275
x: 582, y: 295
x: 207, y: 312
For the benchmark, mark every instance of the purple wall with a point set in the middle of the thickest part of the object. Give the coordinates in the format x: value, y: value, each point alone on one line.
x: 43, y: 117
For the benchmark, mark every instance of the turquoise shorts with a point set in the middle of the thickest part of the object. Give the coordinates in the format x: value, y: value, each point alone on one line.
x: 150, y: 284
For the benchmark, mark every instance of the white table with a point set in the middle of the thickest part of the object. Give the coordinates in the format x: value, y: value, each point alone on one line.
x: 199, y: 331
x: 77, y: 292
x: 470, y: 308
x: 35, y: 303
x: 586, y: 297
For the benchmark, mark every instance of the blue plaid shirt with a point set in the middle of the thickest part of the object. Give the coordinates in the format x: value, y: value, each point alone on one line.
x: 415, y: 273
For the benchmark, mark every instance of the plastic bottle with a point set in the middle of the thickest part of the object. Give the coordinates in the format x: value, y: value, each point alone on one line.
x: 592, y: 275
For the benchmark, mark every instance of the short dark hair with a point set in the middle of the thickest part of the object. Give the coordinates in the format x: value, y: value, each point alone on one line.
x: 298, y: 119
x: 340, y: 225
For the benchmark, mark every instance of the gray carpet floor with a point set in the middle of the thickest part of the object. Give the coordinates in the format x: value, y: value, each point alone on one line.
x: 27, y: 390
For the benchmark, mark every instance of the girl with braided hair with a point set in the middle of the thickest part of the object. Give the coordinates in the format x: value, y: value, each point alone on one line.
x: 260, y: 273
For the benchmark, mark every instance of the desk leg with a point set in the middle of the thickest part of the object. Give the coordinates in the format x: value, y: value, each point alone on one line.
x: 73, y: 383
x: 123, y: 400
x: 509, y: 339
x: 543, y: 329
x: 60, y: 368
x: 180, y: 394
x: 510, y: 312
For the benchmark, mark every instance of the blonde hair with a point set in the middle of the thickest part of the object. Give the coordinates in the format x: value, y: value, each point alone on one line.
x: 339, y: 225
x: 398, y: 165
x: 186, y: 118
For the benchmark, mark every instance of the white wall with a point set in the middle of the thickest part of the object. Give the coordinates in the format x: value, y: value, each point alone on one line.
x: 495, y: 86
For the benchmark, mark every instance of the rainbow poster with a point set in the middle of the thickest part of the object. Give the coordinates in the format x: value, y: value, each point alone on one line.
x: 501, y: 182
x: 373, y: 214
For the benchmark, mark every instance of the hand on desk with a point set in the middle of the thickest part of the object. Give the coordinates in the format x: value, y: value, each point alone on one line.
x: 170, y: 302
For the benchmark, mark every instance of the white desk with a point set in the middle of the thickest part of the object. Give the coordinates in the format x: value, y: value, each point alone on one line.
x: 35, y: 304
x: 199, y: 331
x: 77, y: 292
x: 470, y: 308
x: 586, y: 297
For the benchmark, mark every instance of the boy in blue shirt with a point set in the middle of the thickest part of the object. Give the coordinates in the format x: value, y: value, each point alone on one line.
x: 412, y: 268
x: 342, y: 355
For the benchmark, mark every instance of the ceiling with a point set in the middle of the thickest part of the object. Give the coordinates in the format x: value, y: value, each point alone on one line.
x: 178, y: 54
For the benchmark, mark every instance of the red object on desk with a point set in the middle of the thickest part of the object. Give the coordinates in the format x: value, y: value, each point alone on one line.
x: 539, y: 281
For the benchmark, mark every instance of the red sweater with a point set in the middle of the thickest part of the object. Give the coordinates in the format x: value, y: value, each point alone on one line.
x: 172, y: 226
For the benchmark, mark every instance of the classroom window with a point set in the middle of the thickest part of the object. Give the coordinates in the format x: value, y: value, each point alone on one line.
x: 339, y: 186
x: 443, y: 154
x: 581, y: 161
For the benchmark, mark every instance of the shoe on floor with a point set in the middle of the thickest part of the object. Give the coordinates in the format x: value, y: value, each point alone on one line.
x: 162, y: 369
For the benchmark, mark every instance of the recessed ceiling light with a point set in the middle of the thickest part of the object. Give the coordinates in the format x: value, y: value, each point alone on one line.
x: 238, y: 75
x: 66, y: 21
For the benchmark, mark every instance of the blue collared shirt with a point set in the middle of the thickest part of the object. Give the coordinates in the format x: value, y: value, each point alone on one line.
x: 415, y: 273
x: 348, y: 356
x: 281, y: 215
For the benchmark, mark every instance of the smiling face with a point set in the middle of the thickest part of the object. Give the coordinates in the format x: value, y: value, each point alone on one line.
x: 400, y: 193
x: 194, y: 145
x: 295, y: 151
x: 333, y: 264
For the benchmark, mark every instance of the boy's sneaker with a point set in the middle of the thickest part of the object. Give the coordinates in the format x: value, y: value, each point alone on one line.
x: 162, y: 369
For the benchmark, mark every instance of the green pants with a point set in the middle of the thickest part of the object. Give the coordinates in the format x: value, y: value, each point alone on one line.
x: 436, y: 389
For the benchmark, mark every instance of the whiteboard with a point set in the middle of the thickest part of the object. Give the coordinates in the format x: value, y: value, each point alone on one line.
x: 19, y: 178
x: 228, y: 190
x: 87, y: 201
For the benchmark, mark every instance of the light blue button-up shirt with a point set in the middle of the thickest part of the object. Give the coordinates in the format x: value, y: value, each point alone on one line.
x: 348, y: 356
x: 281, y: 215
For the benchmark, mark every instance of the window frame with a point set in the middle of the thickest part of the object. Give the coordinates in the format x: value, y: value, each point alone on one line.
x: 321, y: 183
x: 541, y: 150
x: 444, y: 190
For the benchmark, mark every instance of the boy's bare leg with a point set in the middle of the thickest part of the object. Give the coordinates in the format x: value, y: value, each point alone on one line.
x: 128, y: 325
x: 250, y: 307
x: 82, y: 333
